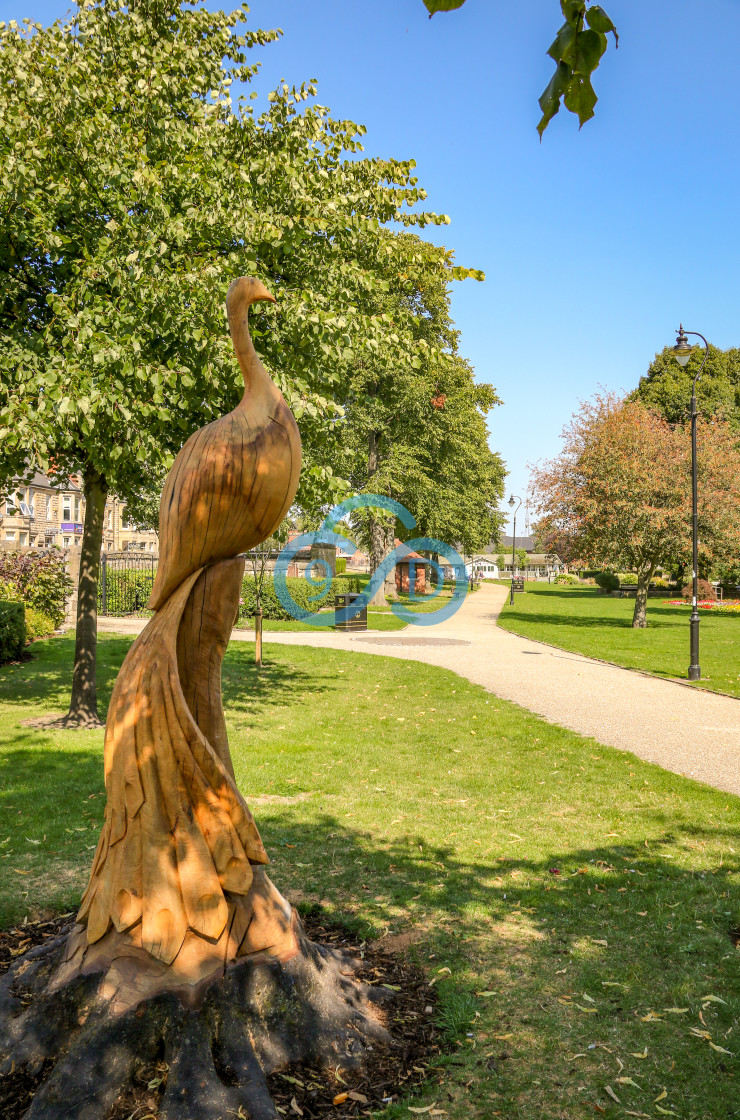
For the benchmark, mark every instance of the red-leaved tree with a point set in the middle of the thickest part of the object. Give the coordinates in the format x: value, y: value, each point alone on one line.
x: 620, y: 490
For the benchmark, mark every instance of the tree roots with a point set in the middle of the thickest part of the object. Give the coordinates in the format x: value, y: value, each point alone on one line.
x: 257, y: 1016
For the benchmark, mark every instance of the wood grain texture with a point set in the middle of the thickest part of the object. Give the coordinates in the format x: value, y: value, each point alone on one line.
x: 176, y: 877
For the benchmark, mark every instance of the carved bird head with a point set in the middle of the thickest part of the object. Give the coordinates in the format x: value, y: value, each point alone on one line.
x: 243, y: 293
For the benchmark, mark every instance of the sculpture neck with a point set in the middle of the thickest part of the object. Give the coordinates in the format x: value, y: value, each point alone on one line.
x: 254, y: 373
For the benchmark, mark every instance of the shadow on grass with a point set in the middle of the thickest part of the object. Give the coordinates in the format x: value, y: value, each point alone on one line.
x: 459, y: 888
x: 47, y: 677
x: 621, y: 914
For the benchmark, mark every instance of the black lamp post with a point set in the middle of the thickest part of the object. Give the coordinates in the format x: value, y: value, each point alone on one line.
x: 513, y: 545
x: 682, y: 351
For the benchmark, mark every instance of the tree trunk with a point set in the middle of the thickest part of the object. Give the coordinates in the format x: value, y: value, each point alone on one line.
x: 83, y: 705
x: 389, y: 587
x: 377, y: 552
x: 644, y: 576
x: 378, y: 538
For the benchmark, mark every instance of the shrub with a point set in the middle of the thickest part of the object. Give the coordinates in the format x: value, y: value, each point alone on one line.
x: 627, y: 579
x: 12, y: 631
x: 705, y: 591
x: 41, y: 580
x: 341, y: 565
x: 38, y: 624
x: 660, y: 583
x: 565, y: 577
x: 607, y: 581
x: 299, y: 588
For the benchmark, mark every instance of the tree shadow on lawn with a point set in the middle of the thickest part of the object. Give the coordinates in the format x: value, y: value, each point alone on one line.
x: 460, y: 888
x: 534, y: 930
x: 46, y: 678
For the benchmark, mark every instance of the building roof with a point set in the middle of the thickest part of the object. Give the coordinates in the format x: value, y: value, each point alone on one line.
x: 540, y: 558
x: 40, y: 480
x: 410, y: 555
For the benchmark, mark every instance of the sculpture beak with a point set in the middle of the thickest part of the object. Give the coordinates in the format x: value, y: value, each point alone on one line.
x: 260, y: 293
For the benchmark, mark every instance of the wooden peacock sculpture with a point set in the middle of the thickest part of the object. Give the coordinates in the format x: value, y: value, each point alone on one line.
x: 176, y: 871
x: 184, y: 955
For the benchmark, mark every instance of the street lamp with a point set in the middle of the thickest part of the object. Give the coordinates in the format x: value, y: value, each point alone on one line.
x: 682, y: 351
x: 513, y: 545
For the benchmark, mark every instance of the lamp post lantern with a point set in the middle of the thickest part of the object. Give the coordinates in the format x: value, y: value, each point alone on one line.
x: 682, y: 351
x: 513, y: 544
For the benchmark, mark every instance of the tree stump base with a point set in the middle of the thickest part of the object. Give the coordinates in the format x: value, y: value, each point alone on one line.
x: 71, y: 1041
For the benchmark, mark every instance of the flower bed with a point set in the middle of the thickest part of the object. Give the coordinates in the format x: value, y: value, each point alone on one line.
x: 726, y: 605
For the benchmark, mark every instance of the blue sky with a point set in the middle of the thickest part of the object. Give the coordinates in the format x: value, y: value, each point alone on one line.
x: 595, y: 244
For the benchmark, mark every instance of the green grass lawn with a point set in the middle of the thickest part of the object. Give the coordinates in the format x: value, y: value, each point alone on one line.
x: 583, y: 620
x: 572, y: 904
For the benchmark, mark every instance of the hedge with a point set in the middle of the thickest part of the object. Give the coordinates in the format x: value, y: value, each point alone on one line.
x: 41, y: 580
x: 299, y: 588
x: 12, y: 631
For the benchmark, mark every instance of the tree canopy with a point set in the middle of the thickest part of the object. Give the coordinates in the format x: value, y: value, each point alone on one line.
x: 666, y: 387
x: 416, y: 432
x: 133, y: 188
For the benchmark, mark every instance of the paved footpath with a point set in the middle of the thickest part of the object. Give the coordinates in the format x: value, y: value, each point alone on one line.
x: 683, y: 729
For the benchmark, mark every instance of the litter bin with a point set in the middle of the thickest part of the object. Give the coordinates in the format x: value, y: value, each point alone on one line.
x: 358, y: 621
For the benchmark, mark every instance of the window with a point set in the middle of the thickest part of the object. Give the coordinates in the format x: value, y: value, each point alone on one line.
x: 23, y: 539
x: 109, y: 519
x: 48, y: 507
x: 76, y: 507
x: 78, y: 542
x: 9, y: 535
x: 67, y: 507
x: 11, y: 504
x: 65, y: 542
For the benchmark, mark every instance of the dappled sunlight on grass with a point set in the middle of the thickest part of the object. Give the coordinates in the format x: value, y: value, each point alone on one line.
x: 572, y: 904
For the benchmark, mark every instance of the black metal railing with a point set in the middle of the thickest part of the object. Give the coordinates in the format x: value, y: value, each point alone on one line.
x: 125, y: 583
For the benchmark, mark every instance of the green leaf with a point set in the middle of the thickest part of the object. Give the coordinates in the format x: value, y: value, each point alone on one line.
x: 433, y: 6
x: 597, y: 18
x: 574, y: 11
x: 550, y: 99
x: 562, y: 45
x: 589, y: 47
x: 580, y: 97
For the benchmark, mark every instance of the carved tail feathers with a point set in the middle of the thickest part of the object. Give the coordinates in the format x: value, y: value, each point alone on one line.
x: 176, y: 872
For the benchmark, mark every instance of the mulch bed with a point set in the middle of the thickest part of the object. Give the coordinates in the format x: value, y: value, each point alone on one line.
x: 299, y: 1090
